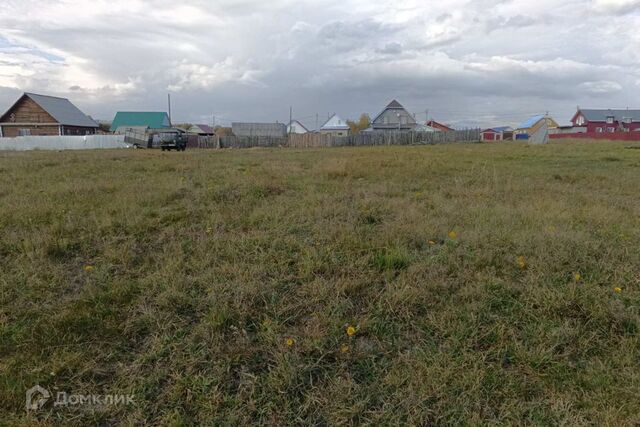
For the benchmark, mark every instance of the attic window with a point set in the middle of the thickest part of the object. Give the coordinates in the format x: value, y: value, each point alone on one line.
x: 609, y: 119
x: 580, y: 121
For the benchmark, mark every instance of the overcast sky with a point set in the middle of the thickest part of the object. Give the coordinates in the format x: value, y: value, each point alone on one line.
x: 484, y: 62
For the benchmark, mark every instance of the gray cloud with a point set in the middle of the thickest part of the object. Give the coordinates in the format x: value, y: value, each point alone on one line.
x: 469, y: 62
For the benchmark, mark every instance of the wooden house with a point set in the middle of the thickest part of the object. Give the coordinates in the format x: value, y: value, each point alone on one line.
x: 41, y: 115
x: 394, y: 118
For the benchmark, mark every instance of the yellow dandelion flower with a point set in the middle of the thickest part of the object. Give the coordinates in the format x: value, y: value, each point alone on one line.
x: 577, y: 277
x: 88, y: 268
x: 351, y: 331
x: 453, y: 235
x: 290, y: 342
x: 344, y: 349
x: 522, y: 263
x: 617, y: 290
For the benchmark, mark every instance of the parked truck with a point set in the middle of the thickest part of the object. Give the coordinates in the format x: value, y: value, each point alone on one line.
x: 171, y: 139
x: 165, y: 139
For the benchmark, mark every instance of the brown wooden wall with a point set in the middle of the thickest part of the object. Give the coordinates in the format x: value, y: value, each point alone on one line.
x: 27, y: 111
x: 13, y: 131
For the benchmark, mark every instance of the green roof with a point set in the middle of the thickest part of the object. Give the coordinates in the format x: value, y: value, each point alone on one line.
x: 152, y: 120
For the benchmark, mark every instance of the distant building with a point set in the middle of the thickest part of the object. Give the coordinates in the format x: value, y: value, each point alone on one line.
x: 202, y: 130
x: 275, y: 130
x: 439, y: 126
x: 295, y: 127
x: 393, y: 118
x: 425, y: 128
x: 609, y: 121
x: 503, y: 133
x: 139, y: 120
x: 532, y: 125
x: 335, y: 126
x: 41, y: 115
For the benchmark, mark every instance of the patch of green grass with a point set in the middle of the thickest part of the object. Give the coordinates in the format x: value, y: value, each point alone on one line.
x: 217, y: 286
x: 393, y: 259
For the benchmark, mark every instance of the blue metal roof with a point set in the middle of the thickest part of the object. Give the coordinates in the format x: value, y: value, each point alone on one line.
x: 531, y: 121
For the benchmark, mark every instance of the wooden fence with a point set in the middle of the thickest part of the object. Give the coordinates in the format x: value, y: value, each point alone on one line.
x: 314, y: 140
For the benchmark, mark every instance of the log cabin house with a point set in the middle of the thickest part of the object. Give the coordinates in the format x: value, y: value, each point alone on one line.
x: 40, y: 115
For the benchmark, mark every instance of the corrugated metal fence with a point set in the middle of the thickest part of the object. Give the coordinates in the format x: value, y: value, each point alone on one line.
x: 88, y: 142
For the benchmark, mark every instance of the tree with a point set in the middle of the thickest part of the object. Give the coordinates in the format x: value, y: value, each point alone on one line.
x: 223, y: 131
x: 105, y: 127
x: 363, y: 123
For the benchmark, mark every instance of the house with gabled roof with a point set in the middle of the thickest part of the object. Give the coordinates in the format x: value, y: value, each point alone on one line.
x: 500, y: 133
x: 201, y: 130
x: 394, y: 118
x: 41, y: 115
x: 297, y: 128
x: 610, y: 121
x: 139, y: 120
x: 335, y: 126
x: 532, y: 125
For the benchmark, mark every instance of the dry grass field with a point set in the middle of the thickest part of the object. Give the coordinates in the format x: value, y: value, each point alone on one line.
x: 432, y: 285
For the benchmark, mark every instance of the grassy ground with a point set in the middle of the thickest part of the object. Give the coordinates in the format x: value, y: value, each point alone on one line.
x: 484, y: 284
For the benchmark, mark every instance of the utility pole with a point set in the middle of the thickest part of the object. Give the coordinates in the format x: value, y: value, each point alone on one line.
x: 317, y: 123
x: 290, y: 118
x: 169, y: 103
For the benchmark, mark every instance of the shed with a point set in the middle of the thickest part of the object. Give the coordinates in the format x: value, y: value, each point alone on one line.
x: 502, y: 133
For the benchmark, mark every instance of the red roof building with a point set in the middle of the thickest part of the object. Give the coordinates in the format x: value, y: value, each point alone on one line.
x: 607, y: 121
x: 439, y: 126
